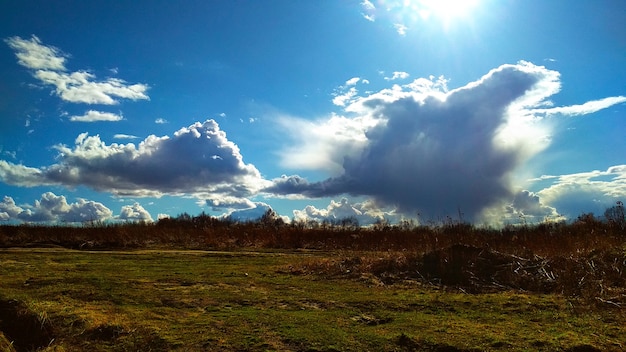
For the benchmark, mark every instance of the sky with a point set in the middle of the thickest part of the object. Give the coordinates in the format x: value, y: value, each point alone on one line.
x: 486, y: 111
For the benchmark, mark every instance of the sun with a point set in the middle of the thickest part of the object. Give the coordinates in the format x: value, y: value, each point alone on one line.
x: 446, y: 11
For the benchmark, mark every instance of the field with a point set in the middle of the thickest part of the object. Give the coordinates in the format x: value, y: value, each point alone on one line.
x: 453, y: 288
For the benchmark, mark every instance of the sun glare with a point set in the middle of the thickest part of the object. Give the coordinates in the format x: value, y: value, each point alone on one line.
x: 446, y: 11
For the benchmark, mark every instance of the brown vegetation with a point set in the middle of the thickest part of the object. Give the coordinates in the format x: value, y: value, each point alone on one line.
x: 584, y: 259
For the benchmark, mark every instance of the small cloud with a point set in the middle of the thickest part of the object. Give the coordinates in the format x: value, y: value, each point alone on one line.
x: 368, y: 10
x: 368, y: 5
x: 125, y: 136
x: 11, y: 154
x: 134, y: 212
x: 114, y: 70
x: 253, y: 120
x: 36, y: 56
x: 222, y: 114
x: 353, y: 81
x: 400, y: 28
x: 95, y: 116
x: 344, y: 98
x: 160, y: 121
x: 397, y: 75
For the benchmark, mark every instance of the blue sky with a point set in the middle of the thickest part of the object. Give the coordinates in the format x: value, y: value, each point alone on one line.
x: 495, y: 111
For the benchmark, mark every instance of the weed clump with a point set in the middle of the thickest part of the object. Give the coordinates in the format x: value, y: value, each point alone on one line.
x: 597, y: 277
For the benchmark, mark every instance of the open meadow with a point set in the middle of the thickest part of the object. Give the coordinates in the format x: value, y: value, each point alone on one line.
x: 257, y: 287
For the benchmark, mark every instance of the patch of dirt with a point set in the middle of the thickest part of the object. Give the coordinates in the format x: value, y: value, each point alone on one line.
x: 26, y: 330
x: 406, y: 343
x: 583, y: 348
x: 105, y: 332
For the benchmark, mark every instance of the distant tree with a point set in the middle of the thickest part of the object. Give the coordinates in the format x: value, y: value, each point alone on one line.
x: 350, y: 223
x: 271, y: 218
x: 615, y: 214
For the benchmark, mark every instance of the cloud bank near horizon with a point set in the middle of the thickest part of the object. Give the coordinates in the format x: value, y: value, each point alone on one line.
x: 51, y: 208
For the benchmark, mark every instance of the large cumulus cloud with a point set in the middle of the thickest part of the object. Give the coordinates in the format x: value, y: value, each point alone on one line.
x: 198, y: 159
x: 435, y: 152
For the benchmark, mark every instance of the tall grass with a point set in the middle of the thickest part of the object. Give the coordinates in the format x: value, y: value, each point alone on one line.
x: 204, y: 232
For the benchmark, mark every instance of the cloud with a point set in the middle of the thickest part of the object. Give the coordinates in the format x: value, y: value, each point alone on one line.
x: 134, y: 212
x: 322, y: 145
x: 343, y: 98
x: 368, y: 10
x: 248, y: 214
x: 94, y: 116
x: 160, y: 121
x: 53, y: 208
x: 48, y: 66
x: 124, y: 136
x: 24, y: 176
x: 366, y: 213
x: 578, y: 193
x: 211, y: 165
x: 344, y: 94
x: 401, y: 28
x: 353, y: 81
x: 223, y: 203
x: 427, y: 150
x: 525, y: 208
x: 35, y: 56
x: 583, y: 109
x: 397, y: 75
x: 79, y: 87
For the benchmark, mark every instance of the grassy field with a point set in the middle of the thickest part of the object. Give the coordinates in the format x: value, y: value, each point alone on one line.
x: 58, y: 299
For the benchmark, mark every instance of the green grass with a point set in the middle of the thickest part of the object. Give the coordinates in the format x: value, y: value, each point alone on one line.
x: 154, y: 300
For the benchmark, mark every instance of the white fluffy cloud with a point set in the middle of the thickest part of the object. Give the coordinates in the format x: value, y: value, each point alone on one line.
x: 36, y: 56
x: 53, y: 208
x: 124, y: 136
x: 397, y: 75
x: 525, y: 208
x: 198, y: 159
x: 255, y: 212
x: 582, y: 109
x: 366, y: 213
x: 427, y: 150
x: 594, y: 191
x: 323, y: 144
x: 94, y: 116
x: 134, y: 212
x: 48, y: 66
